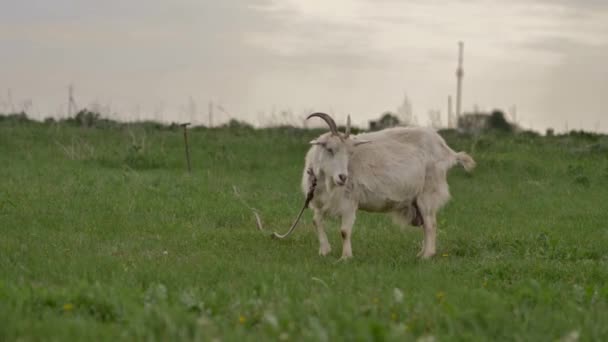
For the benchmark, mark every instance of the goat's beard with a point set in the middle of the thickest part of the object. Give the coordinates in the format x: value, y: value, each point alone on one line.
x: 329, y: 183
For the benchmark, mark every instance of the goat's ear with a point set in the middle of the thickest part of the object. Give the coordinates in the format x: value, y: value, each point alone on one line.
x: 315, y: 142
x: 361, y: 142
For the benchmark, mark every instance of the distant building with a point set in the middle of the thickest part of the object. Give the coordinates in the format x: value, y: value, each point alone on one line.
x: 473, y: 122
x: 478, y: 122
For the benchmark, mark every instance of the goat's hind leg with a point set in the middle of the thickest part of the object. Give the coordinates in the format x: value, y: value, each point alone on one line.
x: 430, y: 237
x: 324, y: 246
x: 435, y: 194
x: 429, y: 222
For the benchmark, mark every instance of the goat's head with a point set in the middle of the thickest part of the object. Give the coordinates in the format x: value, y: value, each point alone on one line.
x: 333, y: 150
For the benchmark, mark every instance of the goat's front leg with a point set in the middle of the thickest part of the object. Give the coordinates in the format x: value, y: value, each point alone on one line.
x: 324, y: 246
x: 346, y: 229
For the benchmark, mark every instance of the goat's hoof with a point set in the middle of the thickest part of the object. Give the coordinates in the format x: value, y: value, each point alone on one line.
x: 324, y: 250
x: 427, y: 256
x: 344, y: 258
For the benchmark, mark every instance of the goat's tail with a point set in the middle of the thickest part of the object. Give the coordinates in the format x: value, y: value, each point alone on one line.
x: 466, y: 161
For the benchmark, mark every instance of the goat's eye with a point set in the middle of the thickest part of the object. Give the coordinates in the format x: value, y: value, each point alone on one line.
x: 331, y: 151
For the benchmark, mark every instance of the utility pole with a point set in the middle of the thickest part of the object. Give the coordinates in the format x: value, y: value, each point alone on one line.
x: 210, y: 114
x: 71, y: 102
x: 11, y: 105
x: 459, y: 75
x: 451, y: 123
x: 192, y: 110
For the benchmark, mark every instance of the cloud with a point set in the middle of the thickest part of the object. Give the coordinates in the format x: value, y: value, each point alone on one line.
x: 354, y: 56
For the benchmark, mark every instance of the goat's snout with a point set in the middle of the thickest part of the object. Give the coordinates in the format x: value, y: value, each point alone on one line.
x: 342, y: 179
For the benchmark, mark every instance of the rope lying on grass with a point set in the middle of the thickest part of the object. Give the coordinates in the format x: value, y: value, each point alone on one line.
x: 258, y: 220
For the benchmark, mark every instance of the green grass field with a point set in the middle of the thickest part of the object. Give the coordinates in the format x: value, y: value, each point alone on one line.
x: 104, y: 235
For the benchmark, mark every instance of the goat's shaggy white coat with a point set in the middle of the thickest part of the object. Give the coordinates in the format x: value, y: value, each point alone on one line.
x: 386, y: 171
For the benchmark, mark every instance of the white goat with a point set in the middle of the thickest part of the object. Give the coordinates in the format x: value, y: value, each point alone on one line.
x: 397, y: 170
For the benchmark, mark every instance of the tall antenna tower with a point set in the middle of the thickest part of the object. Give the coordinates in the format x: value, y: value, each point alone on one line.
x: 459, y: 75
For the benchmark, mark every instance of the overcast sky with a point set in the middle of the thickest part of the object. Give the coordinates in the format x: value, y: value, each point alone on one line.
x: 547, y: 57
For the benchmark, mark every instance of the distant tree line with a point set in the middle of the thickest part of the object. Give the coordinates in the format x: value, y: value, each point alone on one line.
x: 469, y: 123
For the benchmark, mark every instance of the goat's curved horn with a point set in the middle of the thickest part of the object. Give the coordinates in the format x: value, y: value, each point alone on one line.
x: 330, y: 122
x: 347, y: 131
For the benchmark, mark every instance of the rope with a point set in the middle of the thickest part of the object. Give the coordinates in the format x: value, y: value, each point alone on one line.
x: 258, y: 220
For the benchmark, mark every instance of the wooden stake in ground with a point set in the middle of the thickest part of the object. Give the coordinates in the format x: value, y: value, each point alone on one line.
x: 185, y: 125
